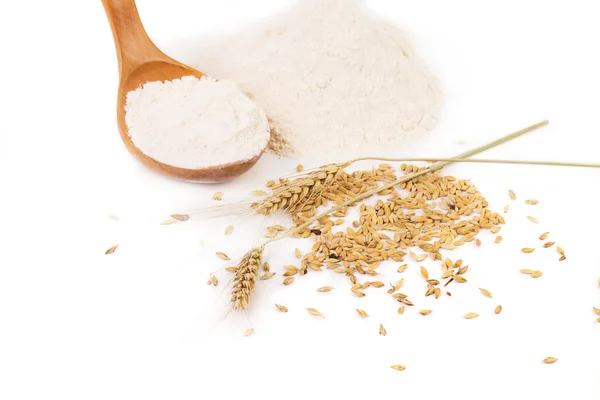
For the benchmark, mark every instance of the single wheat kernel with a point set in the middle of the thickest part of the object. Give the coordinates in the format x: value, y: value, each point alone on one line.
x: 218, y: 196
x: 478, y: 242
x: 526, y: 271
x: 315, y: 312
x: 288, y: 281
x: 229, y: 230
x: 563, y: 258
x: 111, y: 249
x: 398, y: 367
x: 248, y: 332
x: 560, y: 250
x: 512, y: 195
x: 459, y: 279
x: 223, y: 256
x: 402, y: 268
x: 377, y: 284
x: 299, y: 168
x: 531, y: 202
x: 424, y: 272
x: 358, y: 293
x: 486, y: 293
x: 533, y: 219
x: 425, y: 312
x: 281, y: 308
x: 544, y: 235
x: 231, y: 269
x: 536, y: 274
x: 266, y: 267
x: 168, y: 221
x: 362, y: 313
x: 382, y: 330
x: 471, y: 315
x: 597, y: 311
x: 550, y: 360
x: 297, y: 254
x: 401, y: 310
x: 506, y: 209
x: 498, y: 239
x: 548, y: 244
x: 266, y: 276
x: 325, y: 289
x: 498, y: 309
x: 258, y: 193
x: 180, y: 217
x: 527, y: 250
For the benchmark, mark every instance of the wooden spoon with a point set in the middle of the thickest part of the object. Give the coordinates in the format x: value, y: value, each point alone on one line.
x: 140, y: 61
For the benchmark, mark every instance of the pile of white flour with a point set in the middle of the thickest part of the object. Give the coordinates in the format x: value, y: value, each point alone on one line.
x: 195, y: 123
x: 331, y: 79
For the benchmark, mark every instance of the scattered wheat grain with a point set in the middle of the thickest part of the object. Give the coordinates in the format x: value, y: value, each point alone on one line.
x: 111, y: 249
x: 362, y: 313
x: 281, y: 308
x: 471, y: 315
x: 315, y: 312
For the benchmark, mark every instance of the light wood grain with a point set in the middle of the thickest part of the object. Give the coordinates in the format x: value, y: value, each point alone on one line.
x: 140, y: 61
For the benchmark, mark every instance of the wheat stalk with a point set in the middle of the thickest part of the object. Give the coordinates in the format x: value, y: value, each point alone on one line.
x: 306, y: 190
x: 245, y: 278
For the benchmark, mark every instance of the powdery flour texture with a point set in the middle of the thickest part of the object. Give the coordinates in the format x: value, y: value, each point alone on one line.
x: 334, y: 81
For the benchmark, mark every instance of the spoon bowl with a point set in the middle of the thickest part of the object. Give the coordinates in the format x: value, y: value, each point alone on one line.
x: 140, y: 61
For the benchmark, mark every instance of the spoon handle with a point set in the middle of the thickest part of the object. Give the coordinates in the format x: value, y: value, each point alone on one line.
x: 132, y: 43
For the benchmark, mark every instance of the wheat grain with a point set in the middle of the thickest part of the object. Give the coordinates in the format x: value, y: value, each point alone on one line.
x: 425, y: 312
x: 512, y: 195
x: 527, y: 250
x: 548, y: 244
x: 297, y: 253
x: 111, y: 249
x: 560, y: 250
x: 526, y: 271
x: 398, y: 367
x: 506, y: 208
x: 471, y: 315
x: 498, y: 239
x: 531, y: 202
x: 362, y: 313
x: 401, y: 310
x: 402, y: 268
x: 281, y: 308
x: 218, y: 196
x: 550, y: 360
x: 248, y: 332
x: 267, y: 276
x: 212, y: 280
x: 596, y: 311
x: 180, y: 217
x: 486, y: 293
x: 315, y: 312
x: 325, y: 289
x: 288, y: 281
x: 533, y: 219
x: 424, y: 272
x: 229, y: 230
x: 223, y: 256
x: 231, y: 269
x: 544, y: 235
x: 382, y: 330
x: 536, y: 274
x: 299, y: 168
x: 498, y: 309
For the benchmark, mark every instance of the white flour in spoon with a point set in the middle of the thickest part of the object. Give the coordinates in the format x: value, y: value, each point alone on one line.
x: 195, y: 123
x: 334, y: 82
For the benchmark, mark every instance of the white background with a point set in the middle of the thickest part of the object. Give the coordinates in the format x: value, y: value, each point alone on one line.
x: 142, y: 324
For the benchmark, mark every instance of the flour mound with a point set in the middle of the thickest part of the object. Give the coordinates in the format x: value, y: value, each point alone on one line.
x: 334, y: 82
x: 195, y: 123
